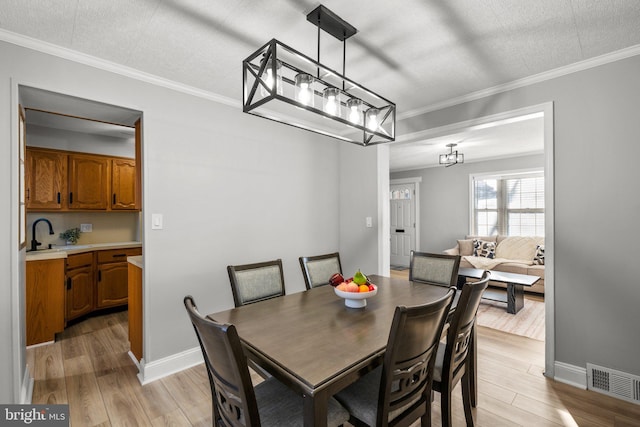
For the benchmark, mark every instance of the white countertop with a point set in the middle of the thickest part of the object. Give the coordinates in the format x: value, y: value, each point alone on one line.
x: 63, y: 251
x: 136, y: 260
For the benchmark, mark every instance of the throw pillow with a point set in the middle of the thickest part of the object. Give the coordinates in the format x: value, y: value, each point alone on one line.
x: 484, y: 249
x: 539, y: 258
x: 465, y: 247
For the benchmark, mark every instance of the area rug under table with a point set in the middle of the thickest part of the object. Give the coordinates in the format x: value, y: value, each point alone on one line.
x: 528, y: 322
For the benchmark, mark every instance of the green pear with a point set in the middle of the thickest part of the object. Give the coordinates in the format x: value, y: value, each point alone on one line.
x: 359, y: 278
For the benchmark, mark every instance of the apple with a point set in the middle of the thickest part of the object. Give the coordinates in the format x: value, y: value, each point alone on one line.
x: 371, y: 287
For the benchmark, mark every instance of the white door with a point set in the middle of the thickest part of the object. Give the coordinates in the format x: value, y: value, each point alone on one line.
x: 403, y: 222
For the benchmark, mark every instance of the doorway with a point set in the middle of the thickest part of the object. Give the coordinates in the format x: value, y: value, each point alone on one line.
x: 545, y: 111
x: 82, y: 128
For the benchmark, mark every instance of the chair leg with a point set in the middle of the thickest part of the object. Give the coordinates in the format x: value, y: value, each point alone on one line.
x: 425, y: 420
x: 445, y: 406
x: 473, y: 365
x: 467, y: 398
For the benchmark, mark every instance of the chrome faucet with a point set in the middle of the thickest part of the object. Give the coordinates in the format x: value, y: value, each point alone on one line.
x: 34, y: 242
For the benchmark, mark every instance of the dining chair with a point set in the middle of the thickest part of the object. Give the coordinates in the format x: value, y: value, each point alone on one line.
x: 317, y: 270
x: 399, y: 391
x: 436, y: 269
x: 235, y: 401
x: 256, y: 282
x: 455, y: 360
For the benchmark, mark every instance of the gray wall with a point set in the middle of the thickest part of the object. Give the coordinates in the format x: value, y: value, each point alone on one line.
x: 61, y: 139
x: 444, y: 198
x: 233, y: 188
x: 597, y: 290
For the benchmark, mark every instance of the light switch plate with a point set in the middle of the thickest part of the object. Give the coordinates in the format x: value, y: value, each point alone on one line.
x: 369, y: 222
x: 86, y: 228
x: 156, y: 221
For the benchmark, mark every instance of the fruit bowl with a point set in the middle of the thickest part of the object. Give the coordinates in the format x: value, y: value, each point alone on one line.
x: 355, y: 299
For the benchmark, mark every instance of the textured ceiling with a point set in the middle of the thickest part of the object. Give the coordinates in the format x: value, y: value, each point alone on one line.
x: 416, y: 53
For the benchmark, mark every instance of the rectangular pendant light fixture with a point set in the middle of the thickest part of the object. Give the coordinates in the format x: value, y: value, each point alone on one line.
x: 451, y: 158
x: 282, y: 84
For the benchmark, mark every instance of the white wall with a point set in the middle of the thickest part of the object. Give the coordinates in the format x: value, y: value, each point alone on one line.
x: 233, y: 189
x: 444, y: 197
x: 596, y: 128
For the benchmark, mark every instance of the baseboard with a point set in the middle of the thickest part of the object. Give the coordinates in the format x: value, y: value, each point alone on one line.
x: 572, y: 375
x: 26, y: 389
x: 157, y: 369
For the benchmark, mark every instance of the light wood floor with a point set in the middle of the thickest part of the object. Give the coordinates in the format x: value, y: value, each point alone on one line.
x: 88, y: 367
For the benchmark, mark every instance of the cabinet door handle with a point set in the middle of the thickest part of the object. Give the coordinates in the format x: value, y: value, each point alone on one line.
x: 114, y: 198
x: 70, y: 198
x: 58, y: 197
x: 118, y: 255
x: 99, y: 275
x: 68, y: 282
x: 28, y: 194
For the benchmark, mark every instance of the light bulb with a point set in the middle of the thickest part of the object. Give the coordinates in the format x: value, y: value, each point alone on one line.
x: 355, y: 116
x: 372, y: 119
x: 304, y: 89
x: 331, y: 99
x: 270, y: 81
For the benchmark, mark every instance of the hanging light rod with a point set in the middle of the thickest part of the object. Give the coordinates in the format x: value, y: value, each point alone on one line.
x: 284, y: 85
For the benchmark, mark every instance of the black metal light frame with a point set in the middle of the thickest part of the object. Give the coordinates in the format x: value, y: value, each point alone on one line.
x: 275, y: 99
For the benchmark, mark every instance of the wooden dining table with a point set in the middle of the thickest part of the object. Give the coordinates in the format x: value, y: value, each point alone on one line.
x: 316, y: 345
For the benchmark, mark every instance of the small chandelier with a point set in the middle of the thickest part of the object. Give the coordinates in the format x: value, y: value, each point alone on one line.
x: 282, y: 84
x: 452, y: 157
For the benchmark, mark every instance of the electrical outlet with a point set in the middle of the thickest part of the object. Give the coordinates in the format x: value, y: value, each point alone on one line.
x: 86, y: 228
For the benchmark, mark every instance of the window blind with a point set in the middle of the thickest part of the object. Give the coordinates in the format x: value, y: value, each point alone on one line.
x: 509, y: 204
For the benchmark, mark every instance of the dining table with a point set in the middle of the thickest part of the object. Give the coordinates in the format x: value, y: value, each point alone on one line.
x: 316, y: 345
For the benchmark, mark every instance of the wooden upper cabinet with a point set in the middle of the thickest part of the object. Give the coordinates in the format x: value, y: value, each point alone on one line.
x: 123, y: 184
x: 45, y: 179
x: 70, y: 181
x: 88, y: 182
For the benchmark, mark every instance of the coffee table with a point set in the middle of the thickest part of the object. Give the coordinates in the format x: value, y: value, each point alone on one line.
x: 515, y: 286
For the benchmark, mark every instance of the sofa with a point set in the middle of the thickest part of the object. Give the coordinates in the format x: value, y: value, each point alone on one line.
x: 510, y: 254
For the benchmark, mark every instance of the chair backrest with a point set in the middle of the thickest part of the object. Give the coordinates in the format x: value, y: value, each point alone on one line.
x: 407, y: 370
x: 461, y: 328
x: 436, y: 269
x: 234, y: 402
x: 256, y: 282
x: 317, y: 270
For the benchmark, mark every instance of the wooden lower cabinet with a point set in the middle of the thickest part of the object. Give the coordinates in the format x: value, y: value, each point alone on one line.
x: 112, y: 282
x: 44, y: 300
x: 112, y: 289
x: 80, y: 285
x: 135, y: 310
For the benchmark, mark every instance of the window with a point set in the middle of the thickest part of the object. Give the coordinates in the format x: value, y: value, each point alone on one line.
x: 510, y: 204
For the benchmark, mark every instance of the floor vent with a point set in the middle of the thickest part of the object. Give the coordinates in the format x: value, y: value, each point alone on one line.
x: 614, y: 383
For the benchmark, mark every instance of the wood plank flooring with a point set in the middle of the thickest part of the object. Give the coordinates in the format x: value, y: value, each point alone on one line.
x: 88, y: 367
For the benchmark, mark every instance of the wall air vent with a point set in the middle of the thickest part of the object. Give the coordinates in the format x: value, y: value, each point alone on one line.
x: 613, y: 383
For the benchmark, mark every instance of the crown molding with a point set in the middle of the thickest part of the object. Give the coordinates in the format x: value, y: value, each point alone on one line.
x: 72, y: 55
x: 526, y: 81
x: 92, y: 61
